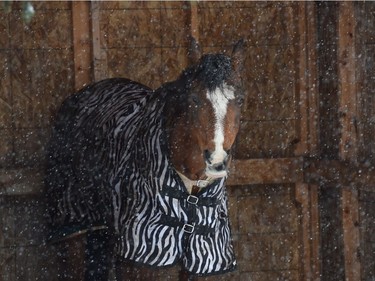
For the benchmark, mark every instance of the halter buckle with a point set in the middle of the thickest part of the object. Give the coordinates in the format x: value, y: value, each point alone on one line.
x: 192, y: 199
x: 188, y: 228
x: 202, y: 183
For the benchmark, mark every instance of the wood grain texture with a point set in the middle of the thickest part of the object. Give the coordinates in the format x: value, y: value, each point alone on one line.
x: 266, y: 171
x: 82, y: 44
x: 348, y: 96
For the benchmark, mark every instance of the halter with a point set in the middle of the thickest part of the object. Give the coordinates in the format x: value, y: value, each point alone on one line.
x: 194, y: 183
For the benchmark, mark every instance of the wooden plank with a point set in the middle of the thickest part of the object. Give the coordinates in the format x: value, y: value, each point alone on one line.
x: 365, y: 84
x: 266, y: 171
x: 302, y: 100
x: 351, y: 233
x: 307, y: 196
x: 331, y: 242
x: 81, y: 43
x: 327, y: 14
x: 99, y: 56
x: 348, y: 147
x: 302, y: 196
x: 315, y: 232
x: 334, y: 172
x: 312, y: 79
x: 307, y: 76
x: 193, y: 20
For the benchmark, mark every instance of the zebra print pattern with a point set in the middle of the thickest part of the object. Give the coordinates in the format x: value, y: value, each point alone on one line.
x: 108, y: 166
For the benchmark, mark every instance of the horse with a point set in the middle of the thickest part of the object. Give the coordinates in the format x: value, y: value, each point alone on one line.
x: 138, y: 175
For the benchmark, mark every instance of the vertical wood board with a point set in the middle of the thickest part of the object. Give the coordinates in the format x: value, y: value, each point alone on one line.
x: 82, y: 39
x: 307, y: 98
x: 306, y: 195
x: 329, y: 134
x: 348, y: 147
x: 351, y: 234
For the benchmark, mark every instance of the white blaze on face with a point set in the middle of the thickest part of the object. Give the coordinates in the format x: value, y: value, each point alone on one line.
x: 219, y: 99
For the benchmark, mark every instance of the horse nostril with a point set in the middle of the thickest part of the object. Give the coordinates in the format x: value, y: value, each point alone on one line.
x: 207, y: 156
x: 220, y: 167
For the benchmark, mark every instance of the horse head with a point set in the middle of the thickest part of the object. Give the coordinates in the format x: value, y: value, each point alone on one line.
x: 203, y: 113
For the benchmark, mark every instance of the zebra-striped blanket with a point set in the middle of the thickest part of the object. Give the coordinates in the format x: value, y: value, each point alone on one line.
x: 109, y: 167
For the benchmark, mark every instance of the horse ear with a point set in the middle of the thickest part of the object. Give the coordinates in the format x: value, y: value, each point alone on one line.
x: 238, y: 56
x: 194, y: 51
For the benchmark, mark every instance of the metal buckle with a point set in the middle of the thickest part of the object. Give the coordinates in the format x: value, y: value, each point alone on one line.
x: 202, y: 183
x: 188, y: 228
x: 192, y: 199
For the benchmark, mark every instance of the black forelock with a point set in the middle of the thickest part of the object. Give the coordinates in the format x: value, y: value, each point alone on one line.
x: 213, y: 70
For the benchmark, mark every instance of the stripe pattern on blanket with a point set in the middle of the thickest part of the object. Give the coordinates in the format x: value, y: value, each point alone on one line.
x: 108, y: 166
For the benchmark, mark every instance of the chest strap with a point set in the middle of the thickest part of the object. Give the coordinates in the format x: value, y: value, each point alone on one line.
x: 192, y: 199
x: 188, y: 228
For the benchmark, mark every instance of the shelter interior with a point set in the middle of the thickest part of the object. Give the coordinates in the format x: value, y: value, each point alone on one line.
x: 302, y: 184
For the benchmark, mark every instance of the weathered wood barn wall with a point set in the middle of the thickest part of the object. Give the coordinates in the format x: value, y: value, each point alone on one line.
x: 302, y: 187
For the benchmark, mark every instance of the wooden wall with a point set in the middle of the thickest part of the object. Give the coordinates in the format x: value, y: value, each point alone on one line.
x: 365, y: 193
x: 301, y: 187
x: 347, y: 138
x: 36, y: 74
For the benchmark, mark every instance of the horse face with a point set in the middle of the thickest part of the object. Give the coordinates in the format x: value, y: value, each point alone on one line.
x: 215, y: 115
x: 208, y: 114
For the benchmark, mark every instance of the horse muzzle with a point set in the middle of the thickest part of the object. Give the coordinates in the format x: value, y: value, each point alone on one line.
x: 216, y: 169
